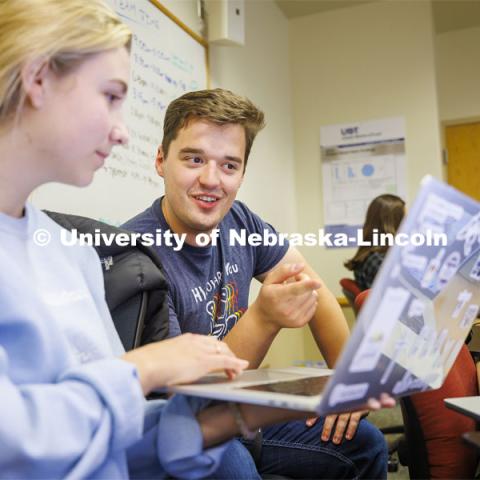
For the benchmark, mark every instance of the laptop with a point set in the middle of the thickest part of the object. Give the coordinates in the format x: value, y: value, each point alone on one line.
x: 410, y: 329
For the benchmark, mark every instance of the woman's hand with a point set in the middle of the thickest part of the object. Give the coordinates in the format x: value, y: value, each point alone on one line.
x: 182, y: 359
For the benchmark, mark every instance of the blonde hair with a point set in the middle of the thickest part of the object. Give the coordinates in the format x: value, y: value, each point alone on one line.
x: 218, y: 106
x: 63, y: 32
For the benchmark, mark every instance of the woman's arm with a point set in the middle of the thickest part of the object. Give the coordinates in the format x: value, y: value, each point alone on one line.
x: 70, y: 426
x: 182, y: 359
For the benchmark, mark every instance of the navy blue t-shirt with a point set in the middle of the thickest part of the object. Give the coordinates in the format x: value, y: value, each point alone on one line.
x: 209, y: 286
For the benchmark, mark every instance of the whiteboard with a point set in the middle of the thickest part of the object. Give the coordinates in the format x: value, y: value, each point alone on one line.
x: 166, y: 61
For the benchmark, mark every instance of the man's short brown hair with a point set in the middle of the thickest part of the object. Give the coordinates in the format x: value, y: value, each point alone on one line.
x: 218, y: 106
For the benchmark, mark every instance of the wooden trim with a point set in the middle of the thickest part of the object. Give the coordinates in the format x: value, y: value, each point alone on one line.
x: 207, y: 61
x: 189, y: 31
x: 182, y: 25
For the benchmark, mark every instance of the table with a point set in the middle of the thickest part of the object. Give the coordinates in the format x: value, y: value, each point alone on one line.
x: 469, y: 406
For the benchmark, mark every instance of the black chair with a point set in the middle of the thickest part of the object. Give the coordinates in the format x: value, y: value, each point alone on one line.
x: 136, y: 290
x: 417, y: 459
x: 130, y: 332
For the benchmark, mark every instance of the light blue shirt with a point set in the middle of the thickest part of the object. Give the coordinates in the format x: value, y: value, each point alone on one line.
x: 69, y: 408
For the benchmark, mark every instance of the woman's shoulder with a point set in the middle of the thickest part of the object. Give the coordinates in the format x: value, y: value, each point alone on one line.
x: 365, y: 271
x: 372, y: 261
x: 375, y: 257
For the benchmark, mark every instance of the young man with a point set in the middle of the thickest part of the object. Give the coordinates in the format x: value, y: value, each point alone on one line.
x: 207, y: 139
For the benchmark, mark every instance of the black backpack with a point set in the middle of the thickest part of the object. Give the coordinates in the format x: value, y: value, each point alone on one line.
x: 136, y: 290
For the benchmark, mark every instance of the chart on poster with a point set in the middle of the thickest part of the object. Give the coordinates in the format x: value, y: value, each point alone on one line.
x: 359, y: 162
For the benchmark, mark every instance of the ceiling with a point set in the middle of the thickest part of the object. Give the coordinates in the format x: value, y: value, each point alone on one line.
x: 448, y: 14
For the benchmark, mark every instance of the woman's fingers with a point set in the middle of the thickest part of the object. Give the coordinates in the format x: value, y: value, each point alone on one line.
x: 227, y: 362
x: 220, y: 357
x: 213, y: 345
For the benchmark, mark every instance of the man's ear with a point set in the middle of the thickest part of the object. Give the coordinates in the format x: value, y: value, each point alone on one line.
x: 159, y: 161
x: 33, y: 76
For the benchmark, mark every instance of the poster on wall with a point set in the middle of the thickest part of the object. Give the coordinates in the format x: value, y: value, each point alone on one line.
x: 359, y: 162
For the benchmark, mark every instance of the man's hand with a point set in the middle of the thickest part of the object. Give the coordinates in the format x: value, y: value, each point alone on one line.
x: 384, y: 401
x: 342, y: 426
x: 346, y: 424
x: 288, y: 297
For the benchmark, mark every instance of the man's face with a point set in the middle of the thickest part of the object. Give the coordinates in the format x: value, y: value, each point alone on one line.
x: 202, y: 173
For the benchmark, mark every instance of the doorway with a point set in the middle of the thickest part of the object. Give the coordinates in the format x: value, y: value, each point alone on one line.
x: 463, y: 167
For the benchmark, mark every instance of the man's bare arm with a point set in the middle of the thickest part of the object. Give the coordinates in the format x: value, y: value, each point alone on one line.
x: 218, y: 424
x: 280, y: 304
x: 328, y: 324
x: 251, y: 337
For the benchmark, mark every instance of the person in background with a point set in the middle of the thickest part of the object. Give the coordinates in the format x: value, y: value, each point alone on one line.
x: 72, y: 401
x: 384, y: 215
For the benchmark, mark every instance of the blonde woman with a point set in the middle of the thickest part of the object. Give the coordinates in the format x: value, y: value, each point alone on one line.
x: 72, y: 402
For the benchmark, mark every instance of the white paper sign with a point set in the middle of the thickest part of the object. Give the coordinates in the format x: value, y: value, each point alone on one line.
x: 359, y: 162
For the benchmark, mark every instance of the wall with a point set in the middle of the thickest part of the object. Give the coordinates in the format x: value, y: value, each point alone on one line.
x: 369, y: 61
x: 458, y: 74
x: 366, y: 62
x: 260, y: 71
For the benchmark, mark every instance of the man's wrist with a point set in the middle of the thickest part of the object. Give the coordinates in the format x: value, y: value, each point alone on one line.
x: 263, y: 318
x: 242, y: 426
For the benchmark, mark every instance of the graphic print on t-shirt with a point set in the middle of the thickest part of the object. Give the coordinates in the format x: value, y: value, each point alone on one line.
x: 220, y: 301
x: 219, y: 298
x: 223, y: 310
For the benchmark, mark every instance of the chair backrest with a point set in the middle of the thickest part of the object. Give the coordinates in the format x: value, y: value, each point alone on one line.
x: 350, y: 289
x: 130, y: 332
x: 360, y: 299
x: 136, y: 290
x: 434, y: 433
